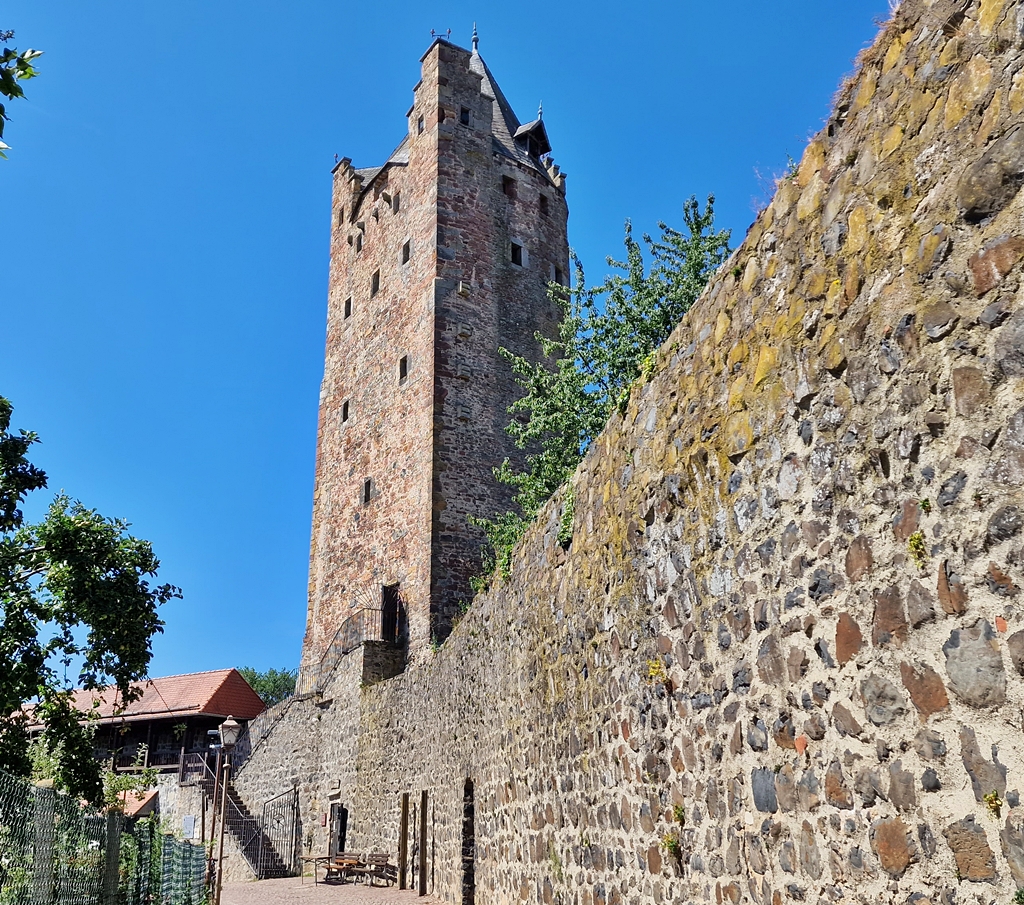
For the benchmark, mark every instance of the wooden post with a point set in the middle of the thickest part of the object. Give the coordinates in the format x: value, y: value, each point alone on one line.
x: 423, y: 843
x: 403, y: 843
x: 202, y: 825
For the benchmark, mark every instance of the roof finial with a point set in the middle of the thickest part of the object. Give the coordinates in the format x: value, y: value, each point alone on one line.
x: 476, y: 40
x: 540, y: 110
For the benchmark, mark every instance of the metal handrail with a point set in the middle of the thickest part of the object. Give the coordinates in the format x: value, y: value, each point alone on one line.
x: 368, y: 623
x: 250, y: 832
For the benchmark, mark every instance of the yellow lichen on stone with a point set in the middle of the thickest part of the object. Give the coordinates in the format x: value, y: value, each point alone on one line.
x: 739, y: 434
x: 785, y: 195
x: 927, y: 247
x: 968, y: 89
x: 857, y: 229
x: 950, y: 52
x: 811, y: 163
x: 772, y: 268
x: 851, y: 285
x: 892, y: 139
x: 1016, y: 99
x: 833, y: 298
x: 737, y: 394
x: 767, y: 359
x: 865, y: 91
x: 895, y: 51
x: 722, y: 325
x: 810, y: 198
x: 830, y: 348
x: 791, y: 323
x: 921, y: 103
x: 814, y: 286
x: 989, y: 121
x: 989, y: 15
x: 737, y: 354
x: 934, y: 122
x: 750, y: 273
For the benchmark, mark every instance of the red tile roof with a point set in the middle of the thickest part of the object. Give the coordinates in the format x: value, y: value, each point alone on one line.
x: 139, y: 807
x: 220, y: 693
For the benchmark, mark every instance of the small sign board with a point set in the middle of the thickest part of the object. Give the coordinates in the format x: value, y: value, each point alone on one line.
x: 188, y: 826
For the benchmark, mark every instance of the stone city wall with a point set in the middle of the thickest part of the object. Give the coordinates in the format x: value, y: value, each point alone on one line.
x: 781, y: 658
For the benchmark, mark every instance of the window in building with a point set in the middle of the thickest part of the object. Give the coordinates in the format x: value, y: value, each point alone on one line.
x: 406, y: 253
x: 359, y: 242
x: 517, y: 254
x: 396, y: 202
x: 419, y: 125
x: 344, y: 411
x: 341, y: 215
x: 367, y: 494
x: 403, y: 369
x: 543, y: 205
x: 375, y: 283
x: 440, y: 115
x: 348, y: 307
x: 508, y: 186
x: 464, y: 115
x: 559, y: 276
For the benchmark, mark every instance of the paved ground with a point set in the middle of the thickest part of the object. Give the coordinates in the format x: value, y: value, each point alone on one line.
x: 289, y: 890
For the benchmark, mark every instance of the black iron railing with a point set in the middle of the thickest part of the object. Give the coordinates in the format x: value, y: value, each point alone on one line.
x: 387, y: 623
x: 365, y: 624
x: 257, y: 838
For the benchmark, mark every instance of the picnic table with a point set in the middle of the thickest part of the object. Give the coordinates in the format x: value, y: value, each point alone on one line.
x: 345, y: 865
x: 316, y: 861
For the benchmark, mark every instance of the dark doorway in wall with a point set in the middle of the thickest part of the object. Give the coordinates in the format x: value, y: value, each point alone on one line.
x: 392, y: 617
x: 468, y: 845
x: 339, y: 829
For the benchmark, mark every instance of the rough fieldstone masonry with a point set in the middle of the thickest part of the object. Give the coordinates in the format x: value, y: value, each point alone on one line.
x: 438, y: 258
x: 781, y: 659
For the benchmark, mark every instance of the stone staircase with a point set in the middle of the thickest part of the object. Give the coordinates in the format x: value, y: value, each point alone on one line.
x: 248, y: 831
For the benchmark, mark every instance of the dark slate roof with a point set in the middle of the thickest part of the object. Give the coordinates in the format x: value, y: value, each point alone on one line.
x: 505, y: 126
x: 398, y: 157
x: 540, y: 134
x: 504, y: 122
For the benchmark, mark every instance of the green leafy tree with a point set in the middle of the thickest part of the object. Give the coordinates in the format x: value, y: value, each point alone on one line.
x: 273, y: 686
x: 117, y: 785
x: 606, y: 341
x: 15, y: 67
x: 74, y: 589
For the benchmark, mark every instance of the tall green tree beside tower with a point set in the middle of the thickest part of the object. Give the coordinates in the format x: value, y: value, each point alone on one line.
x: 607, y: 337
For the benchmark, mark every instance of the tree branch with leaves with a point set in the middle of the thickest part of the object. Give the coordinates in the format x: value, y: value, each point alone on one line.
x: 75, y: 588
x: 15, y: 67
x: 606, y: 339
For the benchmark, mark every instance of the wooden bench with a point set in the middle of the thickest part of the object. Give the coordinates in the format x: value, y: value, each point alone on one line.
x: 377, y: 866
x: 343, y: 865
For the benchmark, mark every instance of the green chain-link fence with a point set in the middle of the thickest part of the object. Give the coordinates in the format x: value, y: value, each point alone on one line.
x: 54, y: 851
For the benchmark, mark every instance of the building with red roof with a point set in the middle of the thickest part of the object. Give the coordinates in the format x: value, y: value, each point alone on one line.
x: 172, y: 718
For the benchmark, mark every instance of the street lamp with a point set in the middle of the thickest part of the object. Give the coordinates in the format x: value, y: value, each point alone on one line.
x: 229, y: 730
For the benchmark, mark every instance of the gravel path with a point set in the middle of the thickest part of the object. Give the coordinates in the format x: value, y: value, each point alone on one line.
x: 290, y: 889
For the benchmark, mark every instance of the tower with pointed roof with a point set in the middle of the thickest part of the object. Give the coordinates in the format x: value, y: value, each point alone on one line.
x: 439, y: 257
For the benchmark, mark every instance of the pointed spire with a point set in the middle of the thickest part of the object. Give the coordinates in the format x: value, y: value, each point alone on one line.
x: 476, y: 40
x: 540, y: 110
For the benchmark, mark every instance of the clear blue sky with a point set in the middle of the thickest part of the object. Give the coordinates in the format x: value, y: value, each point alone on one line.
x: 164, y: 269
